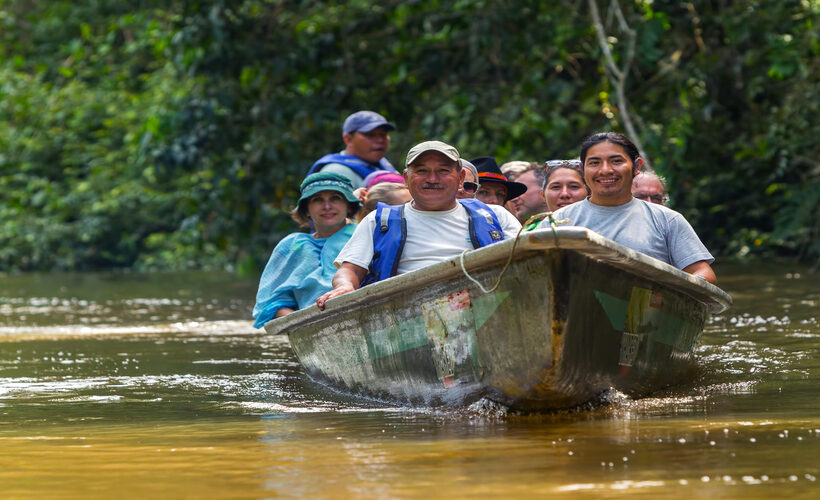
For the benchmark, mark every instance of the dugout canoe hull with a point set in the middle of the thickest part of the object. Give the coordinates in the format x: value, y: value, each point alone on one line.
x: 574, y: 314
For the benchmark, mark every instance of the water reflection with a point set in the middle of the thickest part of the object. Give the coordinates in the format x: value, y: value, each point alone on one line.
x: 159, y: 386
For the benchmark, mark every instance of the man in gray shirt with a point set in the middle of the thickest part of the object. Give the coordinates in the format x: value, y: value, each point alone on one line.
x: 610, y: 161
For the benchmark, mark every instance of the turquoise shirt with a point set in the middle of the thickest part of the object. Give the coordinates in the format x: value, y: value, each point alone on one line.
x: 299, y: 270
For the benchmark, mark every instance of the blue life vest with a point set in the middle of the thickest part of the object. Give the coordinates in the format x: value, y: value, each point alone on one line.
x: 361, y: 167
x: 391, y: 234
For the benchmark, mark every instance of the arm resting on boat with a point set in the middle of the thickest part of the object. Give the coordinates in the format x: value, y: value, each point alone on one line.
x: 284, y: 311
x: 346, y: 279
x: 702, y: 269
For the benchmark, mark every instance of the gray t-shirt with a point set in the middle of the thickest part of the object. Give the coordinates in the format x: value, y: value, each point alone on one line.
x: 649, y: 228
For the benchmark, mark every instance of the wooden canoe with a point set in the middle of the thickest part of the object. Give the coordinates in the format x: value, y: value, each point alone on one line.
x: 574, y: 314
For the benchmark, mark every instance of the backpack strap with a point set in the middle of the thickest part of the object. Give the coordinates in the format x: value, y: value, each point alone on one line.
x: 485, y: 228
x: 389, y: 238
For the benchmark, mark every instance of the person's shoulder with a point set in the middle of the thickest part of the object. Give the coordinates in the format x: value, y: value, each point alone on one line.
x: 349, y: 228
x: 287, y: 243
x: 336, y: 168
x: 500, y: 211
x: 658, y: 211
x: 294, y: 237
x: 508, y: 221
x: 355, y: 179
x: 368, y: 220
x: 654, y: 207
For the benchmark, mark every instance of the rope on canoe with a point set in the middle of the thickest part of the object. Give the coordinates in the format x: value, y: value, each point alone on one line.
x: 531, y: 220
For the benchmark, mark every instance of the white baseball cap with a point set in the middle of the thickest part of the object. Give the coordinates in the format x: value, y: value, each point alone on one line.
x: 421, y: 148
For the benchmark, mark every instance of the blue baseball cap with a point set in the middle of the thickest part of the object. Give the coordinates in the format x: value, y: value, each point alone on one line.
x: 365, y: 121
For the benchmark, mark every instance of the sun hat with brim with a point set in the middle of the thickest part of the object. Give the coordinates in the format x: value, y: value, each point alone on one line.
x: 365, y: 121
x: 327, y: 181
x: 380, y: 176
x: 423, y: 147
x: 488, y: 171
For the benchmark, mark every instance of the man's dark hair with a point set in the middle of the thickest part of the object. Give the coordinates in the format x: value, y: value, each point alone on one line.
x: 613, y: 137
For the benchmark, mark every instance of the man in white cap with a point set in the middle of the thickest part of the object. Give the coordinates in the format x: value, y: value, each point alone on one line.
x: 432, y: 227
x: 367, y: 139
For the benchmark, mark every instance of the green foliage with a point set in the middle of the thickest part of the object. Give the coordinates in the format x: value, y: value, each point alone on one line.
x: 175, y: 134
x: 80, y: 187
x: 732, y: 117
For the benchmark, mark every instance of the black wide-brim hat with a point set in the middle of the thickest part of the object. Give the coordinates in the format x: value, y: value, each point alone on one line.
x: 488, y: 171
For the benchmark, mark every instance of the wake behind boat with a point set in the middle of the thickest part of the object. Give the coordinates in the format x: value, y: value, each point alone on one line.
x: 573, y: 315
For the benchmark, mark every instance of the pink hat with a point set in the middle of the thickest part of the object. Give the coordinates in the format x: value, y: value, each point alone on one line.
x: 382, y: 176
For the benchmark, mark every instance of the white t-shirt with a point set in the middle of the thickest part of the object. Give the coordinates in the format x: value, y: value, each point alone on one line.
x: 431, y: 237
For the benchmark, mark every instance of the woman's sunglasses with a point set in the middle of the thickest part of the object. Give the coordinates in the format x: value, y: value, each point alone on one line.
x: 469, y: 187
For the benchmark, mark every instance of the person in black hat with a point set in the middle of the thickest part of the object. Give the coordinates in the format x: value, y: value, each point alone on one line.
x: 366, y: 135
x: 494, y: 188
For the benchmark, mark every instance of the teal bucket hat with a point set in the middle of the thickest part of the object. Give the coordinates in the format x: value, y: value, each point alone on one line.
x: 327, y: 181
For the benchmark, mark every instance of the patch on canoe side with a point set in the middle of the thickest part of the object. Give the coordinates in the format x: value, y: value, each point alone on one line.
x: 396, y: 338
x: 642, y: 313
x: 630, y: 342
x: 485, y: 306
x: 451, y: 333
x: 614, y: 308
x: 642, y: 318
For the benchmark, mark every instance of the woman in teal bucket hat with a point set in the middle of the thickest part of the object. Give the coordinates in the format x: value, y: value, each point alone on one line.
x: 300, y: 269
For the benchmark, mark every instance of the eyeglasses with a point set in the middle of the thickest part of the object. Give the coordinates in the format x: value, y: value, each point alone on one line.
x: 469, y: 187
x: 655, y: 198
x: 558, y: 163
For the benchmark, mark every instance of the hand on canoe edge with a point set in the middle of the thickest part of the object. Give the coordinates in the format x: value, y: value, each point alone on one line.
x: 346, y: 279
x: 340, y: 290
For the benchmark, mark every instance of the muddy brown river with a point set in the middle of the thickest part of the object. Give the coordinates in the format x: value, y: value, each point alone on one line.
x: 134, y: 385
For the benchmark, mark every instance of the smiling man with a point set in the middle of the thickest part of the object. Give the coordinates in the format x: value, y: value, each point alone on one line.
x: 433, y: 227
x: 367, y: 139
x: 610, y: 161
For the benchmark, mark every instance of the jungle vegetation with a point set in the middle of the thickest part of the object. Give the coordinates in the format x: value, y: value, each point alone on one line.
x: 174, y: 134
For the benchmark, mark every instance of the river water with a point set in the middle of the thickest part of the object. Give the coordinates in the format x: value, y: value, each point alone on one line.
x: 157, y: 385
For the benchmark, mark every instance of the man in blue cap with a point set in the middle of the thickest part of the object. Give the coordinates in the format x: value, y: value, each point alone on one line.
x: 366, y: 136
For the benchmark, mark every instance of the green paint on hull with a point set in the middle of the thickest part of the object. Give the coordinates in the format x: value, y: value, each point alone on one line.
x: 636, y: 316
x: 396, y: 338
x: 484, y: 307
x: 614, y: 308
x: 418, y: 332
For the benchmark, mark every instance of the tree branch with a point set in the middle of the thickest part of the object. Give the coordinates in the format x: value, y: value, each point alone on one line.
x: 618, y: 75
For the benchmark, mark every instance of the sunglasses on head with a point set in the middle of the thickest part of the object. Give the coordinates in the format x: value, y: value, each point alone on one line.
x: 558, y: 163
x: 469, y: 187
